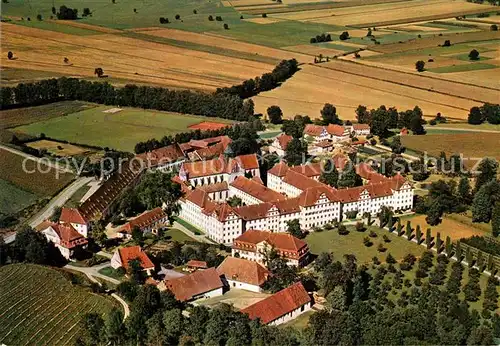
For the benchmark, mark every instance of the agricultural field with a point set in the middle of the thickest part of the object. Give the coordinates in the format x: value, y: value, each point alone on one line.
x: 313, y: 86
x: 352, y: 243
x: 13, y: 199
x: 474, y: 147
x: 121, y: 130
x: 39, y: 306
x: 44, y: 181
x: 59, y: 149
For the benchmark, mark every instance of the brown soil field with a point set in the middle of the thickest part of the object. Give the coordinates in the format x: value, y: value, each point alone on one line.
x: 59, y: 149
x: 417, y: 81
x: 471, y: 145
x: 415, y: 28
x: 207, y: 125
x: 263, y: 20
x: 237, y: 3
x: 86, y: 26
x: 313, y: 86
x: 314, y: 50
x: 126, y: 58
x: 434, y: 41
x: 448, y: 227
x: 489, y: 20
x: 227, y: 43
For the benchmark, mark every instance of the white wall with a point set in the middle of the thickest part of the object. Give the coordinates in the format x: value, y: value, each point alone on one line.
x: 291, y: 315
x: 243, y: 286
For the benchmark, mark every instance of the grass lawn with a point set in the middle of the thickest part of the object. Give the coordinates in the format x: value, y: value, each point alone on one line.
x: 41, y: 307
x: 352, y: 243
x: 269, y: 135
x: 174, y: 234
x: 300, y: 322
x: 112, y: 273
x: 483, y: 126
x: 37, y: 178
x: 189, y: 226
x: 74, y: 201
x: 13, y: 199
x: 462, y: 68
x: 120, y: 130
x: 27, y: 115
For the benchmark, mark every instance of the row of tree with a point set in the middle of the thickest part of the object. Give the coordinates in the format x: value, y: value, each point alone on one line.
x: 383, y: 119
x: 268, y: 81
x: 486, y: 113
x: 218, y: 104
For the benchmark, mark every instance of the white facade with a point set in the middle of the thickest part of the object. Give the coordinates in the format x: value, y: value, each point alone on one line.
x: 245, y: 197
x: 83, y: 229
x: 291, y: 315
x: 243, y: 286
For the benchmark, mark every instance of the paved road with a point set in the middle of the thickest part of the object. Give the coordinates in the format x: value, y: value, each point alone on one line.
x: 58, y: 201
x: 39, y: 159
x: 92, y: 273
x: 200, y: 238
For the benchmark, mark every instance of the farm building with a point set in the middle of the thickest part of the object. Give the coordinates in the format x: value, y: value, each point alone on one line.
x: 200, y: 284
x: 253, y: 244
x: 74, y: 217
x: 282, y: 306
x: 123, y: 256
x: 147, y: 222
x: 194, y: 265
x: 332, y: 132
x: 279, y: 144
x: 64, y: 236
x: 359, y: 129
x: 164, y: 158
x: 243, y: 274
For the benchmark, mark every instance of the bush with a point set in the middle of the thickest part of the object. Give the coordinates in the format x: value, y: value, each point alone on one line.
x: 344, y: 36
x: 342, y: 230
x: 386, y: 239
x: 474, y: 55
x: 264, y: 15
x: 372, y: 234
x: 420, y: 65
x: 447, y: 43
x: 360, y: 227
x: 367, y: 242
x: 218, y: 18
x: 177, y: 17
x: 494, y: 27
x: 381, y: 248
x: 210, y: 18
x: 313, y: 40
x: 226, y: 26
x: 432, y: 122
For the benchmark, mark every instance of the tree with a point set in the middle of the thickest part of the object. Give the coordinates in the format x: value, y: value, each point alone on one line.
x: 99, y: 234
x: 336, y: 300
x: 329, y: 174
x: 487, y: 168
x: 53, y: 10
x: 447, y: 43
x: 39, y: 17
x: 349, y: 178
x: 67, y: 13
x: 93, y: 329
x: 115, y: 330
x: 234, y: 201
x: 491, y: 113
x: 226, y: 26
x: 475, y: 116
x: 464, y: 190
x: 10, y: 55
x: 293, y: 228
x: 177, y: 17
x: 363, y: 115
x: 296, y: 152
x: 344, y: 36
x: 156, y: 189
x: 494, y: 27
x: 472, y: 290
x: 275, y: 114
x: 474, y: 55
x: 495, y: 220
x: 420, y: 65
x: 99, y: 72
x: 56, y: 214
x: 329, y: 115
x: 173, y: 321
x: 484, y: 199
x: 86, y: 12
x: 137, y: 235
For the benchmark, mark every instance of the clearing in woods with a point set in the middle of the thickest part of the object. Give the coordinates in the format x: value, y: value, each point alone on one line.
x: 120, y: 130
x: 39, y: 306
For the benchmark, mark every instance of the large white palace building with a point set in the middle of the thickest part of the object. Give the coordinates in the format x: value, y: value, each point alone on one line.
x: 291, y: 193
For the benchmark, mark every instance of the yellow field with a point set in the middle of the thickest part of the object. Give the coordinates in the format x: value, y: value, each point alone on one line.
x: 314, y: 50
x: 122, y: 57
x: 86, y: 26
x: 227, y: 43
x: 59, y: 149
x: 348, y: 85
x: 448, y: 227
x: 376, y: 15
x: 263, y: 20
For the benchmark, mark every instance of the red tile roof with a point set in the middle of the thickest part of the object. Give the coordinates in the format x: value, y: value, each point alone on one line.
x: 299, y: 180
x: 130, y: 253
x: 335, y: 130
x: 210, y: 167
x: 359, y: 127
x: 165, y: 155
x: 324, y: 144
x: 309, y: 170
x: 72, y: 215
x: 259, y: 211
x: 313, y: 130
x: 68, y: 236
x: 256, y: 190
x: 279, y: 169
x: 144, y: 220
x: 283, y: 140
x: 242, y: 270
x: 188, y: 287
x: 279, y: 304
x: 217, y: 187
x: 248, y: 161
x: 220, y: 211
x: 288, y: 245
x: 310, y: 196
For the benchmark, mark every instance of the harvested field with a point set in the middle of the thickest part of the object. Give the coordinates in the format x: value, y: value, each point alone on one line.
x: 207, y: 125
x: 238, y: 3
x: 40, y: 306
x: 78, y: 24
x: 37, y: 177
x: 313, y: 86
x: 398, y: 12
x: 226, y: 43
x: 120, y: 131
x: 417, y: 28
x: 28, y: 115
x: 120, y: 58
x: 58, y: 148
x: 449, y: 227
x: 263, y: 20
x: 314, y: 50
x: 472, y: 147
x: 434, y: 41
x: 489, y: 78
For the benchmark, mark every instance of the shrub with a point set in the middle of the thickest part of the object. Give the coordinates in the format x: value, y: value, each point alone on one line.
x: 447, y: 43
x: 344, y: 36
x: 195, y: 12
x: 381, y: 248
x: 210, y: 18
x: 420, y: 65
x: 360, y: 227
x: 376, y: 260
x: 367, y: 242
x: 226, y: 26
x: 432, y: 122
x: 264, y: 15
x: 386, y: 239
x: 177, y: 16
x: 474, y: 55
x: 494, y: 27
x: 342, y: 230
x: 218, y: 18
x: 313, y: 40
x: 372, y: 234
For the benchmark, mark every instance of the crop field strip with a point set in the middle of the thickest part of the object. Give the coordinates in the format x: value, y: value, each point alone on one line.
x: 123, y: 60
x: 39, y: 319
